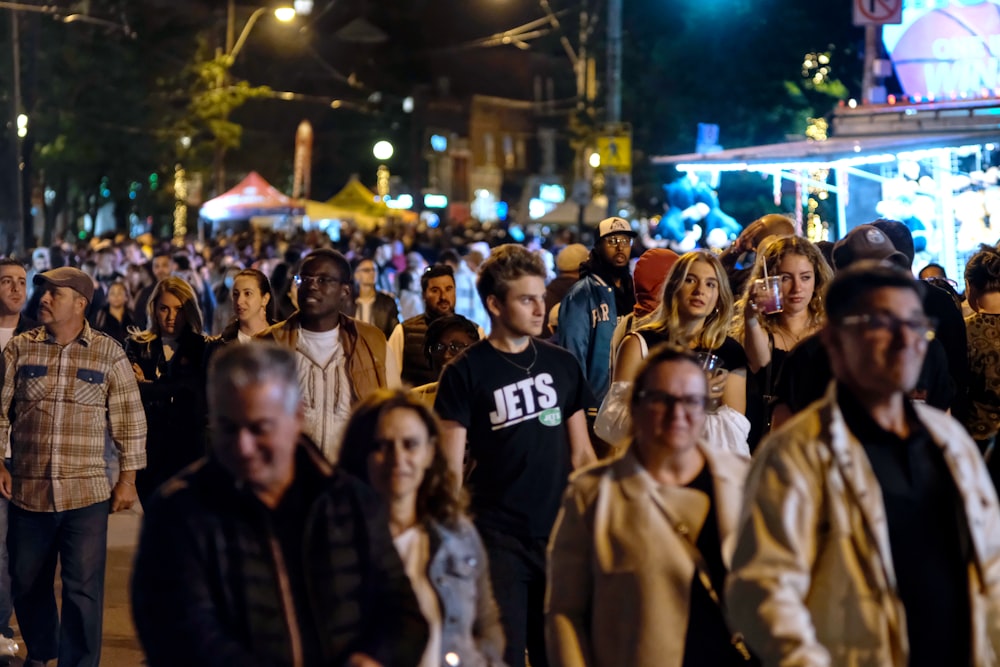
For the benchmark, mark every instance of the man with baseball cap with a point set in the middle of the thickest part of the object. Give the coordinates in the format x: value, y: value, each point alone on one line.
x: 65, y: 388
x: 590, y: 310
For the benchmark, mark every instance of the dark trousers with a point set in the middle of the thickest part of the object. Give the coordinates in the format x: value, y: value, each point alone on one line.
x: 6, y: 601
x: 78, y: 539
x: 517, y: 571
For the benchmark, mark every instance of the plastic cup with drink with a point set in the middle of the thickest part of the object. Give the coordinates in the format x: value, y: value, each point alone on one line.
x: 767, y: 294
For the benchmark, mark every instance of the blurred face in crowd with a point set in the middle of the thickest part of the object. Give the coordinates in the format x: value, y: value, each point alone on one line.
x: 170, y: 315
x: 13, y: 289
x: 365, y: 274
x: 248, y: 302
x: 117, y: 296
x: 616, y: 249
x: 439, y: 297
x: 670, y: 407
x: 403, y: 452
x: 255, y: 435
x: 879, y: 350
x: 699, y: 293
x: 522, y: 313
x: 451, y: 343
x: 322, y: 292
x: 162, y: 267
x: 797, y: 283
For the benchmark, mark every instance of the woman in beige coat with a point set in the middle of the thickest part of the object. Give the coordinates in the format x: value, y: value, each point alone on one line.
x: 638, y: 557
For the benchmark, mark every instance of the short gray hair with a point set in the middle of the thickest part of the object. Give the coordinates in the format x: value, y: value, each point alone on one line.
x: 237, y: 366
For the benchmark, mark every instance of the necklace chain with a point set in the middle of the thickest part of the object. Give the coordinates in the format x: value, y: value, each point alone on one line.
x: 534, y: 358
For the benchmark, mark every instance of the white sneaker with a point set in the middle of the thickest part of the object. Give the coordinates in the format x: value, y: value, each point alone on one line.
x: 8, y: 647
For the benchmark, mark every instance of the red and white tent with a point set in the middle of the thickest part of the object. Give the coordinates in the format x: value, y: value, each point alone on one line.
x: 253, y: 197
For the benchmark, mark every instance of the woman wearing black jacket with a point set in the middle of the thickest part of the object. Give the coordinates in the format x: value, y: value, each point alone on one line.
x: 169, y: 360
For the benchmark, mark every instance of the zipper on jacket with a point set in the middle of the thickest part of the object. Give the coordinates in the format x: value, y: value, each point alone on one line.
x: 291, y: 620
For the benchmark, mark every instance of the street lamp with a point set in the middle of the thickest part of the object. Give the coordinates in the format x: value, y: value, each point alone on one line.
x: 382, y: 151
x: 284, y: 14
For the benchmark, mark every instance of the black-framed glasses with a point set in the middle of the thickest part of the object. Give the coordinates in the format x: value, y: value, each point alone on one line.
x: 692, y: 404
x: 321, y: 281
x: 885, y: 323
x: 454, y: 348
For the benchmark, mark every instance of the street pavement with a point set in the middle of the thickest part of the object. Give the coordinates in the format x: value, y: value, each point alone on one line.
x: 120, y: 646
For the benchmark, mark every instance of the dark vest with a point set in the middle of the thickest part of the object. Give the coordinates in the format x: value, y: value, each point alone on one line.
x: 416, y: 368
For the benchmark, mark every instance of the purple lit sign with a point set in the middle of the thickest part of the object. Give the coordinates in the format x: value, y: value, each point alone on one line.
x: 946, y: 49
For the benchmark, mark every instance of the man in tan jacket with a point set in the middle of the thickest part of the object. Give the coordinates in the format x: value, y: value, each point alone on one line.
x: 340, y: 359
x: 870, y: 533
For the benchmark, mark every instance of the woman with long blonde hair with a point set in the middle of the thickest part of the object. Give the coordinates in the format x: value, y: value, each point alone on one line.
x: 695, y: 313
x: 767, y: 337
x: 169, y: 359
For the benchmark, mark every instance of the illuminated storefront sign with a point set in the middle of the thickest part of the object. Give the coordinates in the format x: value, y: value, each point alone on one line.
x: 946, y: 49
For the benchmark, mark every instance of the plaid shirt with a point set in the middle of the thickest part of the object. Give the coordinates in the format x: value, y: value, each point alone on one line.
x: 58, y: 403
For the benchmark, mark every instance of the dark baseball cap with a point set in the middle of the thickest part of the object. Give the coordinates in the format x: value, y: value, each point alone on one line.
x: 66, y: 276
x: 867, y: 242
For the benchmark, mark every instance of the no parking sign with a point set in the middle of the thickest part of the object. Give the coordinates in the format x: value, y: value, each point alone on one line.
x: 878, y: 12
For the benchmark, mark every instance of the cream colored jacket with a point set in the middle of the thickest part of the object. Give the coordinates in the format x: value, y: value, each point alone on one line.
x: 812, y: 580
x: 619, y: 579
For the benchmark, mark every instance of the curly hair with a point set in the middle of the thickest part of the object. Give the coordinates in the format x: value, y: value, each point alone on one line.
x: 507, y: 263
x: 183, y: 292
x: 439, y: 497
x: 773, y: 254
x: 667, y: 317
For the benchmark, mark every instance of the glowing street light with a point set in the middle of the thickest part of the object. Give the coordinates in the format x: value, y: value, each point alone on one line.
x: 382, y: 150
x: 595, y: 160
x: 283, y: 14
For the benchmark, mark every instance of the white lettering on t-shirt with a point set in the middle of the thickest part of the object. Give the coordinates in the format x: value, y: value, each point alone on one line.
x: 523, y: 400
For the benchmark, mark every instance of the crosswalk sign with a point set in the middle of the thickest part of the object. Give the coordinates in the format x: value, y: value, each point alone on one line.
x: 615, y: 149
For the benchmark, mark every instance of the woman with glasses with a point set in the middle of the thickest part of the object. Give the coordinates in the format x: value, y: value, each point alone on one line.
x: 695, y: 313
x: 768, y: 336
x: 636, y: 566
x: 392, y: 442
x: 446, y: 338
x: 169, y: 359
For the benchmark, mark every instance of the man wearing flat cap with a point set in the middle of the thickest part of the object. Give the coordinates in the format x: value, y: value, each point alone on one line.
x: 65, y: 388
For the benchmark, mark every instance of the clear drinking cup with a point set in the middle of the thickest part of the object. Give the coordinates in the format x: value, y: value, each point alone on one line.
x: 767, y: 295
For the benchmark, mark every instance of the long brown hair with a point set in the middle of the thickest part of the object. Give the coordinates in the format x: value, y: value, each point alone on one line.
x: 438, y: 497
x: 183, y: 292
x: 771, y: 256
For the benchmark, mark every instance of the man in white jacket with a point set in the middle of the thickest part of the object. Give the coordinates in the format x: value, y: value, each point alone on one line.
x: 870, y: 533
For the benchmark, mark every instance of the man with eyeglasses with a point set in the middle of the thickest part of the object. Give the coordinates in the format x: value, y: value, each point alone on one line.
x: 341, y: 360
x: 590, y: 311
x: 870, y: 532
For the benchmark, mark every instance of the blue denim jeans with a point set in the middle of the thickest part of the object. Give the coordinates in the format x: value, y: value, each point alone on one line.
x: 78, y: 540
x: 6, y: 600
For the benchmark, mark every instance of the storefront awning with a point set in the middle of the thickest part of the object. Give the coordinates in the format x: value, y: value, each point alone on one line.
x: 832, y: 153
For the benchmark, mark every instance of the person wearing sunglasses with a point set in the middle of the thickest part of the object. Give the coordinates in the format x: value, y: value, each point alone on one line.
x: 341, y: 360
x: 590, y: 311
x: 870, y: 530
x: 447, y: 337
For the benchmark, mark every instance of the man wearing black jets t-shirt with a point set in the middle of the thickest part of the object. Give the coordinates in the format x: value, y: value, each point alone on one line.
x: 520, y: 404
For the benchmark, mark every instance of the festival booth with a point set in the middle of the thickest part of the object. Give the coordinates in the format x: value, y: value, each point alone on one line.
x: 354, y: 204
x: 929, y: 160
x: 254, y: 202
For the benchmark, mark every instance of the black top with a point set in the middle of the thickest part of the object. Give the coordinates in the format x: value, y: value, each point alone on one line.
x: 516, y: 422
x: 927, y: 534
x: 805, y: 375
x: 731, y: 353
x: 708, y: 639
x: 760, y: 394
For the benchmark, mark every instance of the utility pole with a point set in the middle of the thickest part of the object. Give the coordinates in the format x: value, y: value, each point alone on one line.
x: 26, y: 228
x: 613, y: 111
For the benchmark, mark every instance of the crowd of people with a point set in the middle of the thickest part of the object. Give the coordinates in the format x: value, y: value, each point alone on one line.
x: 396, y: 452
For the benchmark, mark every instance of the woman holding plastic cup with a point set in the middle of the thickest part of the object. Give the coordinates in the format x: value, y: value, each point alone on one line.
x: 695, y: 312
x: 782, y: 304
